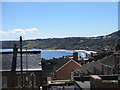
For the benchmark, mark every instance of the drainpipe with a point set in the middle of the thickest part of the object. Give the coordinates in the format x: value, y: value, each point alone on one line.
x: 13, y: 67
x: 15, y: 49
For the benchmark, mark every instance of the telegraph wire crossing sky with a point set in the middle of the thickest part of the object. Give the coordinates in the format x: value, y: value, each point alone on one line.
x: 34, y: 20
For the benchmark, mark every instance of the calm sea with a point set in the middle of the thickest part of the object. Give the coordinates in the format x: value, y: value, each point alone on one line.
x: 49, y: 54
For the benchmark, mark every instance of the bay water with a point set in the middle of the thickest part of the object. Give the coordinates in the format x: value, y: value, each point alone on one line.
x: 49, y: 54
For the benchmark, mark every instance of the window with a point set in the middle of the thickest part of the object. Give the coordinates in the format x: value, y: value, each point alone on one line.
x: 19, y: 80
x: 32, y: 82
x: 111, y: 71
x: 4, y: 82
x: 105, y: 70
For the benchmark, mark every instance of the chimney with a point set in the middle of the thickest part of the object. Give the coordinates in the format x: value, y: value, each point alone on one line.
x: 75, y: 56
x: 15, y: 49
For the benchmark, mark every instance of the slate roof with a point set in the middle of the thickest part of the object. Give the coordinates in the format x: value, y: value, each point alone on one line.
x: 61, y: 62
x: 89, y: 67
x: 83, y: 85
x: 33, y: 58
x: 48, y: 68
x: 110, y: 61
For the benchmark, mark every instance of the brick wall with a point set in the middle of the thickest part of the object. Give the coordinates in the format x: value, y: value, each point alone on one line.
x: 65, y: 72
x: 12, y: 77
x: 97, y: 83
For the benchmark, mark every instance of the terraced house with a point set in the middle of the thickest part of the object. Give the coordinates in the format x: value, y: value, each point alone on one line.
x: 11, y: 72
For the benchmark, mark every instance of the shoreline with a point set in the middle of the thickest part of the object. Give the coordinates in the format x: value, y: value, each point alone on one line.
x: 80, y: 51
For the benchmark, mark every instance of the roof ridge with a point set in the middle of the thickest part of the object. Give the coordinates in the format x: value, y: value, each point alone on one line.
x: 67, y: 63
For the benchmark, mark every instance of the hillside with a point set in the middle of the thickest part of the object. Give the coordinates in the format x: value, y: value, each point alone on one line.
x: 117, y: 33
x: 70, y: 43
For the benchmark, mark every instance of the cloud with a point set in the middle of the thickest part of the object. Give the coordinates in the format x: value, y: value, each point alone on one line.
x: 18, y: 31
x: 32, y: 29
x: 3, y: 33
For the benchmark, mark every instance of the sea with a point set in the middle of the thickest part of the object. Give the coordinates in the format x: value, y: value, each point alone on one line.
x: 50, y: 54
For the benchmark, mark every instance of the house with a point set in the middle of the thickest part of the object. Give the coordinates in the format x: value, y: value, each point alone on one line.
x: 64, y: 72
x: 11, y: 71
x: 110, y: 65
x: 57, y: 73
x: 96, y: 82
x: 58, y: 69
x: 88, y: 68
x: 105, y: 65
x: 108, y: 82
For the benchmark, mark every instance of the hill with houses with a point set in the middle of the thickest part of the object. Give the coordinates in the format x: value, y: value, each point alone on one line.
x: 69, y: 43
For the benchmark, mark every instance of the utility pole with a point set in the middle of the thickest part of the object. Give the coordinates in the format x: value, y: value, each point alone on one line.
x: 21, y: 62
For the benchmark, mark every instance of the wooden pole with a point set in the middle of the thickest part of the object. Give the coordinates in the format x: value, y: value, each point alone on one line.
x: 21, y: 62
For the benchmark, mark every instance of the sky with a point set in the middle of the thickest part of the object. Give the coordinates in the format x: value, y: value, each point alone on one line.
x: 36, y: 20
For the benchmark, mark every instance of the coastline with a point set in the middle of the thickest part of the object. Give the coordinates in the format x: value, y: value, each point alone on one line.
x: 80, y: 51
x: 64, y: 50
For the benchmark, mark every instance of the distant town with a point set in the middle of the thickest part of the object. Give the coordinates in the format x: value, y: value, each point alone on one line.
x: 99, y: 70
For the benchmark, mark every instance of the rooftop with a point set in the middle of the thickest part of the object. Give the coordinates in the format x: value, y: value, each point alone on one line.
x: 53, y: 64
x: 110, y: 60
x: 83, y: 85
x: 33, y: 60
x: 89, y: 67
